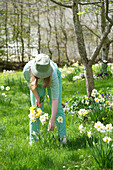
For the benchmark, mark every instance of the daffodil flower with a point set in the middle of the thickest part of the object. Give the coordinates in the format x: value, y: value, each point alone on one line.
x: 60, y: 119
x: 107, y: 139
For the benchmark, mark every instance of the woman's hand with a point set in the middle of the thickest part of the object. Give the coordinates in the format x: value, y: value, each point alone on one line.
x: 51, y: 125
x: 38, y: 102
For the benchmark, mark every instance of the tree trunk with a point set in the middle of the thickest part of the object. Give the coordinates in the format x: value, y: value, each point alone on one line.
x: 29, y: 33
x: 14, y: 30
x: 89, y: 79
x: 82, y: 50
x: 105, y: 48
x: 49, y: 30
x: 65, y: 38
x: 6, y: 32
x: 17, y: 36
x: 112, y: 44
x: 22, y: 38
x: 105, y: 52
x: 39, y: 32
x: 56, y: 36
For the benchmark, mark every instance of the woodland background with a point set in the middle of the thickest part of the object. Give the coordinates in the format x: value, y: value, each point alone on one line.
x: 63, y: 29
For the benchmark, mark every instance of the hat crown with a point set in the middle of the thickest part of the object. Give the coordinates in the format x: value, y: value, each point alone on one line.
x: 42, y: 59
x: 41, y: 66
x: 42, y: 63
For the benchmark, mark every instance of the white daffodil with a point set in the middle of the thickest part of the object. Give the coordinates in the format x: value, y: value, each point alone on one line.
x: 96, y: 100
x: 2, y: 87
x: 3, y: 94
x: 98, y: 125
x: 32, y: 119
x: 107, y: 139
x: 71, y: 68
x: 89, y: 134
x: 86, y: 98
x: 31, y: 115
x: 60, y: 119
x: 68, y: 72
x: 75, y: 65
x: 82, y: 101
x: 39, y: 110
x: 42, y: 119
x: 102, y: 128
x: 82, y: 112
x: 86, y: 102
x: 105, y: 61
x: 76, y: 78
x: 102, y: 100
x: 32, y: 111
x: 43, y: 122
x: 46, y: 116
x: 4, y: 71
x: 81, y: 128
x: 109, y: 127
x: 7, y: 88
x: 63, y: 75
x: 66, y: 109
x: 94, y: 92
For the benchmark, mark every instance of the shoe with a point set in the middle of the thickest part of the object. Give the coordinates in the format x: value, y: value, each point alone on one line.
x: 63, y: 140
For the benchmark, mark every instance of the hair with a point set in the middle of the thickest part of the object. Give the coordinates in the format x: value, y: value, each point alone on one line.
x: 34, y: 81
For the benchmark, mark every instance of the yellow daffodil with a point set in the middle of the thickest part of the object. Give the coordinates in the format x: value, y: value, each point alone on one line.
x: 103, y: 118
x: 34, y: 133
x: 86, y: 97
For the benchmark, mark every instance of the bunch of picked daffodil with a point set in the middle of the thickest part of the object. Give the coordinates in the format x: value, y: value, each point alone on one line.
x: 34, y: 113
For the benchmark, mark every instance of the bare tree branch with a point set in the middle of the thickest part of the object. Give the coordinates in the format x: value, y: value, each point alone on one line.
x: 107, y: 10
x: 111, y: 41
x: 89, y: 3
x: 80, y: 3
x: 98, y: 48
x: 91, y: 30
x: 61, y: 4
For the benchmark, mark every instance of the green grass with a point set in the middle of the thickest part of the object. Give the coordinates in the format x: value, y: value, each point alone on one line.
x: 15, y: 151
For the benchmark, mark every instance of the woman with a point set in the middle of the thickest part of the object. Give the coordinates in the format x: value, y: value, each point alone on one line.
x: 42, y: 73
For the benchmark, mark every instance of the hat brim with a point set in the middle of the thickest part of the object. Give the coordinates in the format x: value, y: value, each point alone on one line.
x: 41, y: 74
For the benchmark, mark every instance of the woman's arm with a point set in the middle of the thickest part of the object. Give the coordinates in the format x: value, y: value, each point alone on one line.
x: 53, y: 115
x: 37, y: 97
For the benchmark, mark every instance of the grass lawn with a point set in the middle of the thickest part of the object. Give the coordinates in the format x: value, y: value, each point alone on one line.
x: 15, y: 151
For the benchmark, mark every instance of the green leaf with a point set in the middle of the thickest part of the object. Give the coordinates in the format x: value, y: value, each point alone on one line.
x: 80, y: 13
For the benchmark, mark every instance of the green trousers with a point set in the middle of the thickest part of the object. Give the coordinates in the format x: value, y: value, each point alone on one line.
x: 34, y: 126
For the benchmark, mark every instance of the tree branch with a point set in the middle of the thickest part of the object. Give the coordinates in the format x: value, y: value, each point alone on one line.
x: 97, y: 50
x: 61, y: 4
x: 111, y: 41
x: 107, y: 10
x: 80, y: 3
x: 91, y: 30
x: 89, y: 3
